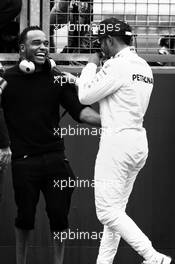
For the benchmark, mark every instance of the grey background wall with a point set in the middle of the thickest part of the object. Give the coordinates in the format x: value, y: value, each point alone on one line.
x: 151, y: 204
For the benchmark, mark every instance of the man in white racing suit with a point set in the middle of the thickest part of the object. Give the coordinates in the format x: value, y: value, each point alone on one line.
x: 123, y: 88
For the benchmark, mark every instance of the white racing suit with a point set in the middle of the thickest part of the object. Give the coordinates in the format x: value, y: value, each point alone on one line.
x: 122, y: 87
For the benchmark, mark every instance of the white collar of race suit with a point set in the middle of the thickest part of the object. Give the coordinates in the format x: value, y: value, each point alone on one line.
x: 125, y: 51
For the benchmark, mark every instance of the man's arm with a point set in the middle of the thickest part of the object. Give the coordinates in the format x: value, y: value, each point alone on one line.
x: 4, y: 138
x: 5, y: 152
x: 95, y: 86
x: 90, y: 116
x: 80, y: 113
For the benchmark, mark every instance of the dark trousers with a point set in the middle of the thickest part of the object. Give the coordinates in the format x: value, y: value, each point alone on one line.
x: 51, y: 174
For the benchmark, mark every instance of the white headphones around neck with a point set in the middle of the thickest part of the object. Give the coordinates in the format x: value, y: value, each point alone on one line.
x: 28, y: 67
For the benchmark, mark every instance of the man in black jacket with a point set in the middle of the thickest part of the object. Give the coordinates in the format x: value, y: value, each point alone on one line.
x: 31, y: 108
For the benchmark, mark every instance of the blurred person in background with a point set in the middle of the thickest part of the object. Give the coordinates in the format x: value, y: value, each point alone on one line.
x: 77, y: 13
x: 167, y: 47
x: 9, y: 26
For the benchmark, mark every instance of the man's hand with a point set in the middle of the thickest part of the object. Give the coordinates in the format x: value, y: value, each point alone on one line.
x: 90, y: 116
x: 5, y: 157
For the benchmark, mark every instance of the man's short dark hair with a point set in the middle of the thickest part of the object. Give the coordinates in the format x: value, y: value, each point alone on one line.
x: 126, y: 39
x: 23, y: 35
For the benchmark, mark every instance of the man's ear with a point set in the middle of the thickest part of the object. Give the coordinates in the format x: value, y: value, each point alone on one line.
x: 111, y: 40
x: 22, y: 48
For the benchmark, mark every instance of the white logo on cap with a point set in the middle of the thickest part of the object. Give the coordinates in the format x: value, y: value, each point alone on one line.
x: 128, y: 33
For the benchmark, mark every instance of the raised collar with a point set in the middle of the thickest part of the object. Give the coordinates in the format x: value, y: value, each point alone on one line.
x: 125, y: 51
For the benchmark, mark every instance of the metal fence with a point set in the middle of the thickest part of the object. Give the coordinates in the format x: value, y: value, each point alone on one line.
x: 150, y: 20
x: 63, y: 23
